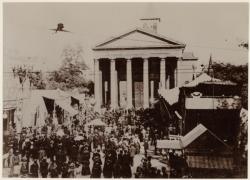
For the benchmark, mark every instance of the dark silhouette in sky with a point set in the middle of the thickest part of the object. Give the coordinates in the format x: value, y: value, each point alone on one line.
x: 60, y: 27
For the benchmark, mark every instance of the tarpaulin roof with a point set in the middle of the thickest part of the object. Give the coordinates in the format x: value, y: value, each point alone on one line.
x: 210, y: 162
x: 202, y: 78
x: 64, y: 105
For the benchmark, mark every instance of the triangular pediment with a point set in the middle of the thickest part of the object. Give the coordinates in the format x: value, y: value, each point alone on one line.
x: 138, y: 38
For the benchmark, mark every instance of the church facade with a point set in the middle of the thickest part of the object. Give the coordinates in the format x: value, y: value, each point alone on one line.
x: 130, y: 68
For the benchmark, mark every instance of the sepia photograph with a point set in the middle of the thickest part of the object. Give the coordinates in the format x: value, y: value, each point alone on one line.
x: 125, y: 89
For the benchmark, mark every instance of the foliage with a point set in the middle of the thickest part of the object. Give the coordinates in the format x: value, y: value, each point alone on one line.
x: 36, y: 80
x: 237, y: 74
x: 244, y: 45
x: 35, y: 77
x: 70, y: 75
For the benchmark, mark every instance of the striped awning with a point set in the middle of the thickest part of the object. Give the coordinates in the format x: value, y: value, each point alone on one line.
x: 210, y: 162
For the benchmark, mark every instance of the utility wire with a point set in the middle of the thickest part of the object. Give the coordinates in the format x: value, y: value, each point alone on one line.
x: 191, y: 45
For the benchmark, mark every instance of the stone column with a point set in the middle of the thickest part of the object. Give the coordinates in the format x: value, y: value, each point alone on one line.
x: 152, y: 92
x: 97, y: 86
x: 114, y: 89
x: 129, y: 84
x: 101, y: 88
x: 163, y: 73
x: 168, y: 82
x: 175, y: 78
x: 145, y: 84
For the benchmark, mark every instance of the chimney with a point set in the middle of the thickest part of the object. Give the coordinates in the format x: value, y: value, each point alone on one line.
x: 150, y: 24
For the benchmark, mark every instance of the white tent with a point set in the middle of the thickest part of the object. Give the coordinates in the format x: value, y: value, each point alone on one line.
x: 34, y: 107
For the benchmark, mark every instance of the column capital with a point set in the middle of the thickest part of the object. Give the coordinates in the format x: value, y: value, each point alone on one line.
x: 162, y: 59
x: 129, y: 59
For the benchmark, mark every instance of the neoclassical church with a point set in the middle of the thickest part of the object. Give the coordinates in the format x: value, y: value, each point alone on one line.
x: 131, y: 67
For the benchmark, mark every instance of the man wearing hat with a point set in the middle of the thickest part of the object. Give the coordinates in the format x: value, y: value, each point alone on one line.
x: 60, y: 157
x: 44, y: 167
x: 108, y: 165
x: 97, y: 169
x: 65, y: 170
x: 85, y: 153
x: 34, y: 169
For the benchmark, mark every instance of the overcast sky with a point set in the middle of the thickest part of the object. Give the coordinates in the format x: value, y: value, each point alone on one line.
x: 214, y: 28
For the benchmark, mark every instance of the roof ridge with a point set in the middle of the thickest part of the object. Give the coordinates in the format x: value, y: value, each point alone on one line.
x: 159, y: 35
x: 138, y: 29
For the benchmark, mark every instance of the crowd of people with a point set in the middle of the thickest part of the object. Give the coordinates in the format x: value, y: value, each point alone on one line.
x: 77, y: 151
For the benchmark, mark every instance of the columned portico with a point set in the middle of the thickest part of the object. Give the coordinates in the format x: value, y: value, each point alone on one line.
x: 132, y: 72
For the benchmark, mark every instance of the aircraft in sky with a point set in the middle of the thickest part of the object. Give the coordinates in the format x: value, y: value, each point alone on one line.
x: 60, y: 27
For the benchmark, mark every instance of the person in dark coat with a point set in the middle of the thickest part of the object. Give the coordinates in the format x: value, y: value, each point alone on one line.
x: 53, y: 170
x: 51, y: 150
x: 65, y: 170
x: 44, y: 168
x: 146, y: 145
x: 117, y: 170
x: 164, y: 172
x: 73, y: 153
x: 158, y: 173
x: 126, y: 169
x: 96, y: 169
x: 85, y: 160
x: 34, y: 169
x: 108, y: 166
x: 34, y: 150
x: 60, y: 158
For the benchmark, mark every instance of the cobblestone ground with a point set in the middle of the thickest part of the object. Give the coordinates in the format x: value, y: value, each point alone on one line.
x: 137, y: 161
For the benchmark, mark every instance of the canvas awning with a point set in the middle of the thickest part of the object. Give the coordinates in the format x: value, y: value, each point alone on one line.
x: 65, y: 106
x: 169, y: 144
x: 96, y: 122
x: 210, y: 162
